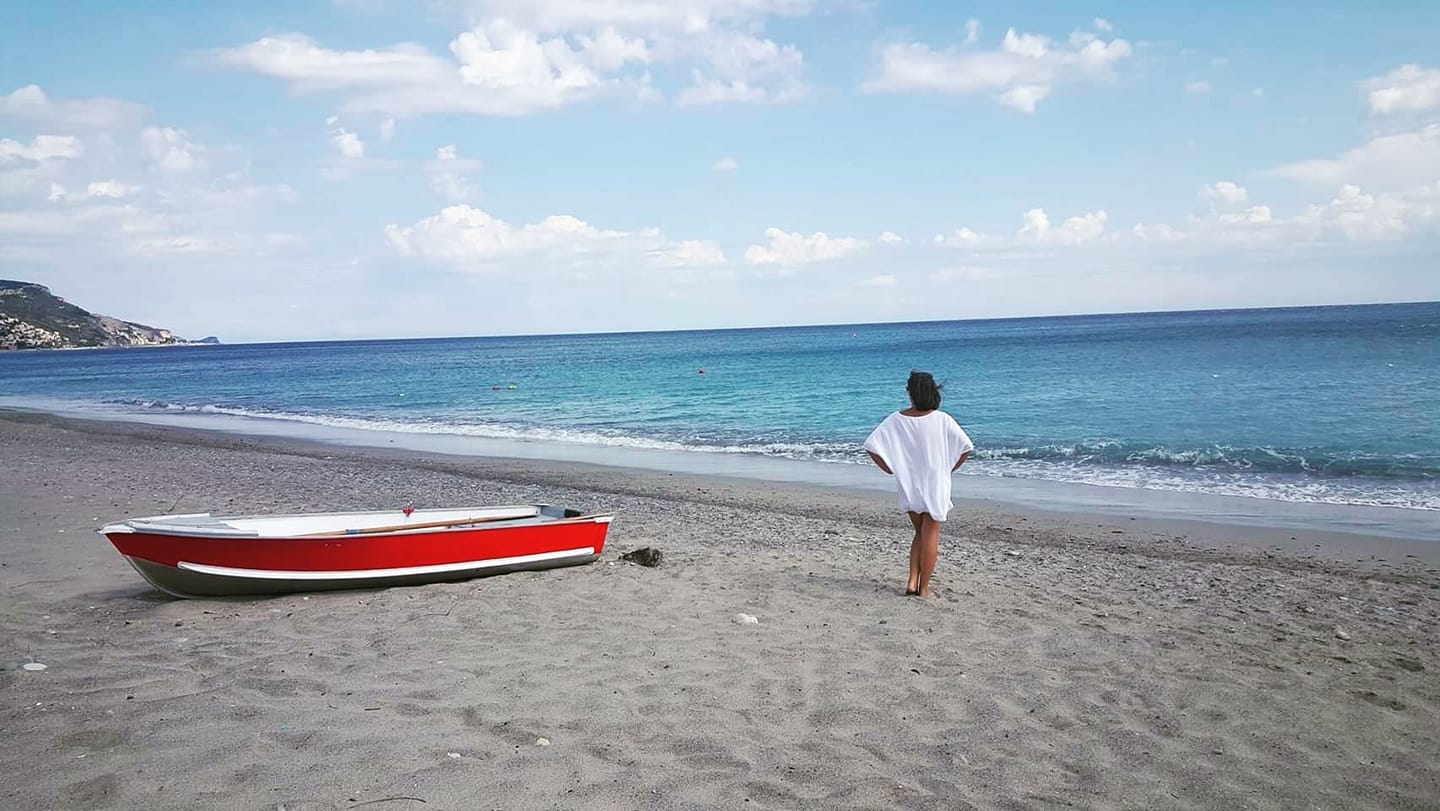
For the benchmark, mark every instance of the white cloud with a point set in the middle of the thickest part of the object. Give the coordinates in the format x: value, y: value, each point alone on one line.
x: 465, y: 237
x: 1025, y: 97
x: 883, y: 280
x: 1353, y: 215
x: 111, y: 189
x: 57, y: 193
x: 348, y: 144
x: 1019, y: 74
x: 890, y: 238
x: 42, y: 148
x: 1253, y: 214
x: 1102, y: 24
x: 972, y: 31
x: 1073, y: 231
x: 786, y: 248
x: 521, y: 57
x: 171, y: 151
x: 1385, y: 163
x: 961, y: 238
x: 725, y: 165
x: 1198, y: 87
x: 387, y: 129
x: 1226, y: 192
x: 689, y: 253
x: 1406, y: 88
x: 746, y: 69
x: 1360, y: 216
x: 447, y: 174
x: 30, y: 103
x: 497, y: 69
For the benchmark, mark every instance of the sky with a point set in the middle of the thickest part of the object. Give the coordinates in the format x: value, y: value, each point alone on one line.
x: 342, y: 169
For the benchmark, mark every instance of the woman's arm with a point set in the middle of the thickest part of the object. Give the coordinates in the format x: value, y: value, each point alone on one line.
x: 963, y: 457
x: 881, y: 462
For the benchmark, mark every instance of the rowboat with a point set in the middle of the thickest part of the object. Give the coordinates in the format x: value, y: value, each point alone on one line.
x: 200, y: 555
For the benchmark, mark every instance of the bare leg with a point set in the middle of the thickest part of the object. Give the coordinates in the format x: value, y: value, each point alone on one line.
x: 929, y: 543
x: 912, y: 584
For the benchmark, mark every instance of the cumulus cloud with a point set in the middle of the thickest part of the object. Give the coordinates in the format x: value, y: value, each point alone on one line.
x: 1407, y: 88
x: 961, y: 238
x: 387, y: 129
x: 42, y: 148
x: 30, y: 103
x: 1020, y: 73
x: 1198, y: 87
x: 496, y: 69
x: 532, y: 57
x: 748, y: 69
x: 1352, y: 215
x: 784, y: 248
x: 464, y: 236
x: 348, y: 144
x: 171, y: 151
x: 112, y: 189
x: 1226, y: 192
x: 1073, y: 231
x: 1387, y: 162
x: 448, y: 174
x: 725, y: 165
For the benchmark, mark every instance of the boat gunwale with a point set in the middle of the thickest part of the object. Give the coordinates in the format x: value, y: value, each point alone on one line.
x: 154, y: 525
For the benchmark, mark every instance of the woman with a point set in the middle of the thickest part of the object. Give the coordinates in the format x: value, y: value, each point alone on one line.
x: 921, y: 446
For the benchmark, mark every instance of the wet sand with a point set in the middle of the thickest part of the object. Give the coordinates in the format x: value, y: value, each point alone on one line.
x: 1070, y: 661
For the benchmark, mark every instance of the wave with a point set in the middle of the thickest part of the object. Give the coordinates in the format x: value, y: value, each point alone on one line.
x: 1305, y: 475
x: 1322, y: 462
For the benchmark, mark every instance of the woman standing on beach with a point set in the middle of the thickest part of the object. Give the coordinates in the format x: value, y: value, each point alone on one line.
x: 921, y: 446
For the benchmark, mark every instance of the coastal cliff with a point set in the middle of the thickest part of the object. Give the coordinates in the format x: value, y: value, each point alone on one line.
x: 31, y: 317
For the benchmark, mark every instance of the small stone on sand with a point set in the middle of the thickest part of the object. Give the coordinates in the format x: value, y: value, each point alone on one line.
x: 1341, y: 634
x: 33, y: 666
x: 542, y: 741
x: 745, y: 619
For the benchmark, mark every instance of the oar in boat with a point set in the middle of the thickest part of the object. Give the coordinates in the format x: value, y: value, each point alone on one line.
x: 457, y: 522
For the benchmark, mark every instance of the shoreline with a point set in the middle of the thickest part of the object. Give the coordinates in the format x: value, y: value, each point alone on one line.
x: 1338, y: 530
x: 1062, y: 662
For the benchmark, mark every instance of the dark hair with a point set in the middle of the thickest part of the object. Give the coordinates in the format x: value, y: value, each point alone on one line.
x: 924, y: 392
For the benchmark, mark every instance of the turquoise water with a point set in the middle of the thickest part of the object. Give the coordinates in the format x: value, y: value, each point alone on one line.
x: 1333, y: 404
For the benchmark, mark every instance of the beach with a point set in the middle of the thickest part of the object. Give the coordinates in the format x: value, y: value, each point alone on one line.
x: 1069, y: 661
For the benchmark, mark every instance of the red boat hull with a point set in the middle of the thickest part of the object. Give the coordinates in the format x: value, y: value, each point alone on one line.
x: 189, y: 566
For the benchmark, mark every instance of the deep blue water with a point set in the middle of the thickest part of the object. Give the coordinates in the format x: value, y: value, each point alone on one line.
x: 1329, y: 404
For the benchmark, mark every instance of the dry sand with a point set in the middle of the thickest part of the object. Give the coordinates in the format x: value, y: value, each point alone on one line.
x: 1069, y: 662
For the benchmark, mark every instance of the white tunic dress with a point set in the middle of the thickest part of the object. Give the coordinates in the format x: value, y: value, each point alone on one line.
x: 922, y: 451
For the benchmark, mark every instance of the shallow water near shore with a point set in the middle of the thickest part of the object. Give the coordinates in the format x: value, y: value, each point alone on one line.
x: 1161, y: 413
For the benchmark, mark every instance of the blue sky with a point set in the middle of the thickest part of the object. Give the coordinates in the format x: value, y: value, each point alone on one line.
x: 371, y: 168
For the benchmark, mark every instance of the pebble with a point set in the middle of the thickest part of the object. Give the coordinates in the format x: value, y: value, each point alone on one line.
x: 33, y: 666
x: 745, y: 619
x: 542, y: 741
x: 452, y: 754
x: 1341, y: 634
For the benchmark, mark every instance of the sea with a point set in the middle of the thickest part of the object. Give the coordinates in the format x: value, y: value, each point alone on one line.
x: 1334, y: 406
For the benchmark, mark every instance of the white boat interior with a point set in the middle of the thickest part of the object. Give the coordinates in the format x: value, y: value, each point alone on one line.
x: 290, y: 526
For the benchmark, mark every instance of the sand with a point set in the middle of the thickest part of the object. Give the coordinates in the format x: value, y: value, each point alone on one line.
x: 1069, y: 662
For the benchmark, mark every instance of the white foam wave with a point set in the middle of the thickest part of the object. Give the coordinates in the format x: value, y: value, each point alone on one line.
x: 1079, y: 467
